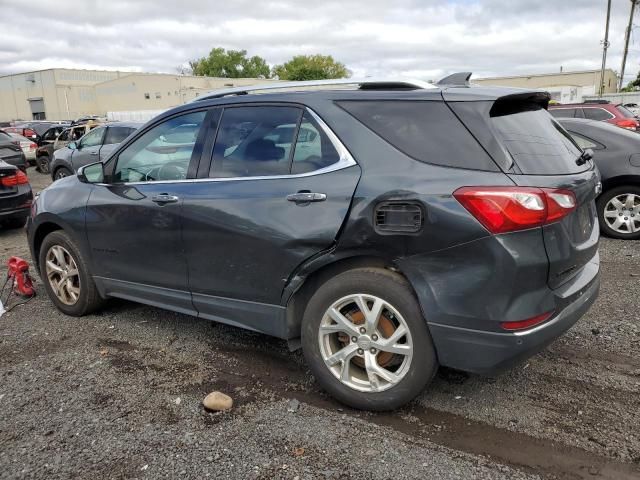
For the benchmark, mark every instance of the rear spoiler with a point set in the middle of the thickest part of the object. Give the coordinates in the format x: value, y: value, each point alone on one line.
x: 518, y: 102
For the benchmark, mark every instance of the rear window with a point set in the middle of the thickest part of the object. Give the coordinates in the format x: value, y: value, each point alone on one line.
x: 625, y: 112
x: 535, y: 140
x: 427, y: 131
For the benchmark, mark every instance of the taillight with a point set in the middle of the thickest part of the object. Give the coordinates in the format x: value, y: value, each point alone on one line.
x: 19, y: 178
x: 528, y: 323
x: 29, y: 133
x: 627, y: 123
x: 32, y: 146
x: 508, y: 209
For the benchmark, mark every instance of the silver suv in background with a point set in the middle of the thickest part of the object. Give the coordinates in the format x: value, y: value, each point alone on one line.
x: 94, y: 146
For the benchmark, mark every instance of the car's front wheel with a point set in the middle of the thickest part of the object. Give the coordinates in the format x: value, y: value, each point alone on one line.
x: 62, y: 172
x: 66, y: 276
x: 619, y: 212
x: 365, y: 340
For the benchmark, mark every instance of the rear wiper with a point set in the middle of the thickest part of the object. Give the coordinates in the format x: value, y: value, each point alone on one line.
x: 584, y: 157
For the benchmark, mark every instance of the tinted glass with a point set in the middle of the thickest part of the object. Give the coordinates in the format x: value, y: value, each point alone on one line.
x: 50, y: 134
x: 536, y: 141
x: 625, y: 113
x: 93, y: 138
x: 5, y: 137
x: 254, y: 141
x: 313, y: 149
x: 583, y: 142
x: 596, y: 114
x: 116, y: 135
x: 162, y: 153
x: 563, y: 112
x: 426, y: 131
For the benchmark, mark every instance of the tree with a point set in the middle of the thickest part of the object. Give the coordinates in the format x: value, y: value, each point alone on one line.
x: 230, y: 64
x: 311, y: 67
x: 633, y: 85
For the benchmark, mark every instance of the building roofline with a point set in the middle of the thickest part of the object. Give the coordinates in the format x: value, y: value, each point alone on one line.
x: 67, y: 69
x: 555, y: 74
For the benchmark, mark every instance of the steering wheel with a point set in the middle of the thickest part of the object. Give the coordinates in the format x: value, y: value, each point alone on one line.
x: 171, y: 171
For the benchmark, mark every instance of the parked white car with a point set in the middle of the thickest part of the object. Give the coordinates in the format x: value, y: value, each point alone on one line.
x: 28, y: 147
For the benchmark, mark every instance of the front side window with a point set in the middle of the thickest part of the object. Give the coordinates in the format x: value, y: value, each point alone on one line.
x: 93, y: 138
x: 77, y: 133
x: 596, y: 114
x: 50, y: 134
x: 563, y: 112
x: 254, y: 141
x: 64, y: 136
x: 162, y: 153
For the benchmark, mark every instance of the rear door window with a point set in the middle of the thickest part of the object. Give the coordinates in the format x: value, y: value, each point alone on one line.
x: 597, y: 113
x: 427, y: 131
x: 116, y: 135
x: 538, y: 144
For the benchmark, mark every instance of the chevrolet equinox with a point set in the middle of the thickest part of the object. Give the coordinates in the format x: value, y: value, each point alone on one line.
x: 386, y: 226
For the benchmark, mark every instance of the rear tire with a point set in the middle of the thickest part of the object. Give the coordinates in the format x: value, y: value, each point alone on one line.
x: 66, y: 276
x: 619, y: 212
x: 43, y: 164
x: 382, y: 368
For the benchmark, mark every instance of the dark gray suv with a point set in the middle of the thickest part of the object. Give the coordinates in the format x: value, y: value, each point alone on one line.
x: 387, y: 227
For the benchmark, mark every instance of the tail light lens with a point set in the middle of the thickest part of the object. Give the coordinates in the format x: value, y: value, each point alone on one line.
x: 508, y: 209
x: 32, y: 146
x: 19, y: 178
x: 29, y: 133
x: 528, y: 323
x: 628, y: 123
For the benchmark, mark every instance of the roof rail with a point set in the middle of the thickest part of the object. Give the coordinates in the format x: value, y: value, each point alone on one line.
x: 460, y: 79
x: 366, y: 83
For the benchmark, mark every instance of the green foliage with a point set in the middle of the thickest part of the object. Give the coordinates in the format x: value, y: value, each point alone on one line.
x: 310, y: 67
x: 230, y: 64
x: 633, y: 86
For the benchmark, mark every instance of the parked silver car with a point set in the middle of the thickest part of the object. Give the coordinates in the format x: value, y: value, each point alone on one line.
x: 94, y: 146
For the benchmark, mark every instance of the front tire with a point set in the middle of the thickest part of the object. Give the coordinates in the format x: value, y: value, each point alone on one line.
x: 619, y: 212
x: 66, y: 276
x: 62, y: 172
x: 365, y: 340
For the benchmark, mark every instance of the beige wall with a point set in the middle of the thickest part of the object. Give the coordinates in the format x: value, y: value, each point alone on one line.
x: 583, y: 79
x: 66, y: 93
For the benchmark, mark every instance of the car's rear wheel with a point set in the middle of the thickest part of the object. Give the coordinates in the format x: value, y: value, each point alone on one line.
x: 43, y: 164
x: 66, y: 276
x: 619, y: 212
x: 62, y: 172
x: 366, y: 341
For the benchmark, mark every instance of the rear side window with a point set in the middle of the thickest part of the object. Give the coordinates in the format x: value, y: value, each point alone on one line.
x: 538, y: 144
x: 596, y: 114
x: 563, y: 112
x: 425, y: 130
x: 116, y: 135
x: 625, y: 113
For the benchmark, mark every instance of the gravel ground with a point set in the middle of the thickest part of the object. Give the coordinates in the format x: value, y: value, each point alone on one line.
x: 118, y: 395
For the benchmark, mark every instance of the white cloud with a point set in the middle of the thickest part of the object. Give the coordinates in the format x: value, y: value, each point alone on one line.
x: 423, y: 38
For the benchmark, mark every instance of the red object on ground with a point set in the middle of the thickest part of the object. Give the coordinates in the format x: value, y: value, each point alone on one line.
x: 18, y: 272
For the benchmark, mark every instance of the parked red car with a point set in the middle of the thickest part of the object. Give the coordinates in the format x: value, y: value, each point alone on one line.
x: 602, y: 111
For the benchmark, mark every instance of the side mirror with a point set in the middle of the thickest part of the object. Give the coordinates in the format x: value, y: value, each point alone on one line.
x: 92, y: 173
x: 72, y: 145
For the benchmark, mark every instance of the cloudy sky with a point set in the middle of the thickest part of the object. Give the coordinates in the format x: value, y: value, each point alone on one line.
x: 418, y: 38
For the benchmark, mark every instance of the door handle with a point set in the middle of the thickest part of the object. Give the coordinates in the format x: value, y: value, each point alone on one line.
x: 306, y: 197
x: 164, y: 198
x: 93, y: 153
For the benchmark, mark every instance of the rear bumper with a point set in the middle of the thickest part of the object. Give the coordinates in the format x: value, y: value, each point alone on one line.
x: 486, y: 352
x: 18, y: 205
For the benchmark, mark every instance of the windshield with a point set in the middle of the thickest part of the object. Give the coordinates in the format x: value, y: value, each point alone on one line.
x: 538, y: 144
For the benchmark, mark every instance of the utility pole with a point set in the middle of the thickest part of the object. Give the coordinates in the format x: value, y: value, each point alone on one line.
x: 605, y: 45
x: 627, y: 35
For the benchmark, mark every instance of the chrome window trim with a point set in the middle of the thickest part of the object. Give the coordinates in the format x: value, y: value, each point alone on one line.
x: 345, y: 160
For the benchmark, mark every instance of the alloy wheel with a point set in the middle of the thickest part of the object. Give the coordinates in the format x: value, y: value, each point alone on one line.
x: 365, y: 342
x: 63, y: 275
x: 622, y: 213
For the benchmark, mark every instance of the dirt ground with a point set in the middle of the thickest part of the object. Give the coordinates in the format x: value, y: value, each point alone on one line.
x: 118, y: 395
